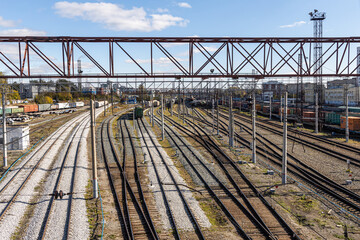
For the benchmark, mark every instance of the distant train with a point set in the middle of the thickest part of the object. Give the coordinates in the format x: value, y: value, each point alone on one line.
x: 100, y: 103
x: 139, y: 112
x: 34, y: 108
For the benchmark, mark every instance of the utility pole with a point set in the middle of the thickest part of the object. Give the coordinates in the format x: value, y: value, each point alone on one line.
x: 347, y: 115
x: 104, y: 108
x: 4, y: 129
x: 316, y: 113
x: 270, y: 110
x: 93, y: 150
x: 162, y: 117
x: 179, y: 102
x: 112, y: 100
x: 152, y: 110
x: 231, y: 125
x: 213, y: 115
x: 183, y: 104
x: 217, y: 117
x: 253, y: 128
x: 284, y: 158
x: 171, y: 106
x: 281, y: 109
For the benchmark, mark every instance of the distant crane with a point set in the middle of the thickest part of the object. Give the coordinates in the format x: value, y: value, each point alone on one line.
x: 79, y: 72
x: 317, y: 17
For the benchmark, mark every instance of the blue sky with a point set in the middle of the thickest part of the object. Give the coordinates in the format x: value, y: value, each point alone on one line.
x: 176, y: 18
x: 161, y: 18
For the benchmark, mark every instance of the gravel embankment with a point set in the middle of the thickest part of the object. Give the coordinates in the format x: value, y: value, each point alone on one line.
x: 190, y: 155
x: 29, y: 192
x: 57, y: 220
x: 177, y: 207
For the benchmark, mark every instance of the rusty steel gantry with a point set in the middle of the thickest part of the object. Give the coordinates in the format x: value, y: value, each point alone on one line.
x: 231, y: 57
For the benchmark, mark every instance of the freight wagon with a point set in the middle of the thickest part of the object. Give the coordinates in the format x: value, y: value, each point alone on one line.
x: 34, y: 108
x: 44, y: 107
x: 63, y: 105
x: 354, y: 123
x: 100, y: 103
x: 30, y: 108
x: 79, y: 104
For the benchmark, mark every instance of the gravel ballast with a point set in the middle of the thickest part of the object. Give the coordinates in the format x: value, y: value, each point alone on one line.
x: 177, y: 207
x: 29, y: 192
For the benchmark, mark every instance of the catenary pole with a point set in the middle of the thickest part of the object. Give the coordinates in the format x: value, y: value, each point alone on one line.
x: 347, y: 115
x: 162, y: 118
x: 93, y: 150
x: 316, y: 113
x: 270, y: 112
x: 284, y: 157
x: 253, y: 128
x: 4, y: 129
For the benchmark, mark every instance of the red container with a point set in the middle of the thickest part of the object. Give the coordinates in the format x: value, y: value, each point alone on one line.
x: 30, y: 108
x: 354, y: 123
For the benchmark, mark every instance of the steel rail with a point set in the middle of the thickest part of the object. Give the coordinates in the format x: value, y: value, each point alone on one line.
x: 144, y: 215
x: 211, y: 146
x: 313, y: 173
x: 260, y: 224
x: 138, y: 183
x: 187, y: 207
x: 305, y: 175
x: 325, y: 150
x: 13, y: 198
x: 45, y: 221
x: 113, y: 189
x: 166, y: 202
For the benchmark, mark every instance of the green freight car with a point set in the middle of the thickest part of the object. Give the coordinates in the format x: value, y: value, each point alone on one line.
x: 332, y: 118
x: 139, y: 112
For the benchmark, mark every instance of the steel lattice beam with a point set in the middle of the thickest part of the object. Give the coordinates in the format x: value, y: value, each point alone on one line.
x: 231, y: 57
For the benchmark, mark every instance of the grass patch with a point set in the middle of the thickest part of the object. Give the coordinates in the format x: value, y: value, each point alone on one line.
x: 93, y: 212
x: 213, y: 212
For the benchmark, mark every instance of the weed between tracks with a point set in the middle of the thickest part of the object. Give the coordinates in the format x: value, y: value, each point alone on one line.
x: 39, y: 192
x: 207, y: 204
x: 93, y: 209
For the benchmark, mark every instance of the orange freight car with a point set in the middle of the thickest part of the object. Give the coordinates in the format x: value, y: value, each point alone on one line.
x: 354, y: 123
x: 30, y: 108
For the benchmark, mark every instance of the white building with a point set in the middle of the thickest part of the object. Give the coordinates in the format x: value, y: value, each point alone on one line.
x: 17, y: 137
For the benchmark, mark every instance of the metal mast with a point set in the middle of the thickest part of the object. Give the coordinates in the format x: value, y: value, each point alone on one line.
x: 318, y: 17
x: 79, y: 72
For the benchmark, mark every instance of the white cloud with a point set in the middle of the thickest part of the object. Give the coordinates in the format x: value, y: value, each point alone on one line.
x: 115, y: 18
x: 295, y: 24
x: 6, y: 23
x: 161, y: 61
x: 22, y: 32
x: 162, y: 10
x: 209, y: 49
x: 184, y: 5
x: 9, y: 49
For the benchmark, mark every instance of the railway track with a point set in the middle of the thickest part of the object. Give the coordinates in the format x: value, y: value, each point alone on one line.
x: 52, y: 223
x: 144, y: 129
x: 240, y: 212
x: 13, y: 179
x: 16, y: 181
x: 269, y: 150
x: 353, y: 153
x: 133, y: 212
